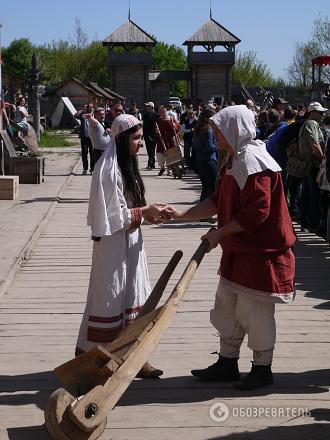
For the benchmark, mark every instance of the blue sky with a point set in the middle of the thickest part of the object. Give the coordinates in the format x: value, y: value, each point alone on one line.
x: 271, y: 28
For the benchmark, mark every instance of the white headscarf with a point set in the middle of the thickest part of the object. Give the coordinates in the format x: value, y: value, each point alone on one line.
x: 237, y: 125
x: 106, y: 199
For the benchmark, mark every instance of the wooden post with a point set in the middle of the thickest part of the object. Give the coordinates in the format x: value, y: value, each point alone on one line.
x: 35, y: 110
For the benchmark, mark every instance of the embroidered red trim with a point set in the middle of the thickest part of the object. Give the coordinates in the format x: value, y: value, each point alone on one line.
x: 97, y: 334
x: 136, y: 218
x: 133, y: 310
x: 93, y: 318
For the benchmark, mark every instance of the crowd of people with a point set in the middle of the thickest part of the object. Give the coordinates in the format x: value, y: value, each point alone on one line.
x: 298, y: 139
x: 295, y: 136
x: 15, y: 120
x: 259, y: 169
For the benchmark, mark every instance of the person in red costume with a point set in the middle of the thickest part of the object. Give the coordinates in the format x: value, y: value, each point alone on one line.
x: 256, y: 235
x: 168, y: 132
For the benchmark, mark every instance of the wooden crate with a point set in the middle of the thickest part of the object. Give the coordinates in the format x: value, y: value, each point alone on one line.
x: 9, y: 187
x: 29, y: 169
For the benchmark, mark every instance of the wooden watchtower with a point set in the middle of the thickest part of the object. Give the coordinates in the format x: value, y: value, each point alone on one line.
x: 210, y: 70
x: 129, y: 67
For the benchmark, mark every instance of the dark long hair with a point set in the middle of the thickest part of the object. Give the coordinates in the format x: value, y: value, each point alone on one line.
x: 203, y: 122
x: 129, y: 167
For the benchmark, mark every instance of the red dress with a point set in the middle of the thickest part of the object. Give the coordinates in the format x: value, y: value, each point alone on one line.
x: 259, y: 260
x: 168, y: 132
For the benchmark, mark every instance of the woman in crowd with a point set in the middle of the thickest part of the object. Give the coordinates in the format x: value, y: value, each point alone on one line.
x: 21, y: 116
x: 167, y: 131
x: 187, y: 128
x: 205, y: 149
x: 256, y: 236
x: 119, y: 281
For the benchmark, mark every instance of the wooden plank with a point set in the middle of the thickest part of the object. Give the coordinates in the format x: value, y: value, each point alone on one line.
x: 36, y: 319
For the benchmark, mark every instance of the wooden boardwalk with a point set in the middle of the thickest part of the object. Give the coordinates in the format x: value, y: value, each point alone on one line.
x: 41, y: 314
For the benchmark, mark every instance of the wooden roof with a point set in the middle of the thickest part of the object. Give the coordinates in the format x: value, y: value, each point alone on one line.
x: 129, y: 33
x: 212, y: 32
x: 116, y: 95
x: 93, y: 88
x: 105, y: 92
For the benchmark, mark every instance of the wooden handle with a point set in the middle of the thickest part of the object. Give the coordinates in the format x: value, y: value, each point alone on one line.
x: 161, y: 284
x: 188, y: 273
x: 161, y: 137
x: 104, y: 397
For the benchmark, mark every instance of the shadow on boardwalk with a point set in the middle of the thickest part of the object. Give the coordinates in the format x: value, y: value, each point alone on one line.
x: 181, y: 389
x: 178, y: 390
x: 311, y: 431
x: 313, y: 268
x: 53, y: 199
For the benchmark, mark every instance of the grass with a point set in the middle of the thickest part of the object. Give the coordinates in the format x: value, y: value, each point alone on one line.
x: 49, y: 139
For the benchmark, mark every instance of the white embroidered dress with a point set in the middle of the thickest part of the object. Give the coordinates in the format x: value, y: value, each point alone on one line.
x: 119, y: 280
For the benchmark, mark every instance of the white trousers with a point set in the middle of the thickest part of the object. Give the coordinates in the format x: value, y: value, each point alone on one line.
x: 235, y: 315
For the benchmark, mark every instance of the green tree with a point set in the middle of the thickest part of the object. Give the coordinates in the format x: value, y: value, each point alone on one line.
x: 168, y: 57
x: 17, y: 58
x: 61, y: 61
x: 171, y: 57
x: 300, y: 68
x: 251, y: 71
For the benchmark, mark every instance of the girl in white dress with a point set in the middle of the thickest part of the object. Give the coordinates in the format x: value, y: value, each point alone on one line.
x: 119, y: 281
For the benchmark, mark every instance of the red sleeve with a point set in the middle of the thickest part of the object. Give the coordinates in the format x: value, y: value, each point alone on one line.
x: 255, y: 202
x: 136, y: 218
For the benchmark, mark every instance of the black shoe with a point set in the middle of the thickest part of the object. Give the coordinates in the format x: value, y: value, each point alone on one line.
x: 161, y: 172
x: 259, y: 376
x: 225, y: 370
x: 208, y: 220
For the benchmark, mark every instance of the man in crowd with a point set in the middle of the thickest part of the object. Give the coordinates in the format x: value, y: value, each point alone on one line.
x: 150, y: 133
x: 116, y: 110
x: 311, y: 144
x: 250, y: 104
x: 85, y: 141
x: 279, y: 105
x: 98, y: 134
x: 171, y: 112
x: 187, y: 129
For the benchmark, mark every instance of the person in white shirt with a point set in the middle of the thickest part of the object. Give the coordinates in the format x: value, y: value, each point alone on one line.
x: 99, y: 135
x: 21, y: 116
x: 171, y: 112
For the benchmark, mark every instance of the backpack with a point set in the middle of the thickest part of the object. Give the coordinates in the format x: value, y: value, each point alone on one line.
x: 291, y: 132
x: 299, y: 162
x: 323, y: 176
x: 272, y: 144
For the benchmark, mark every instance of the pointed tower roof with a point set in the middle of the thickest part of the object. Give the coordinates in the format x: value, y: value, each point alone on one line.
x: 214, y: 33
x: 129, y: 33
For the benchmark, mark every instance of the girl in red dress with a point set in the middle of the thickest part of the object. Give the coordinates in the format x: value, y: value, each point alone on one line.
x: 168, y: 133
x: 256, y: 235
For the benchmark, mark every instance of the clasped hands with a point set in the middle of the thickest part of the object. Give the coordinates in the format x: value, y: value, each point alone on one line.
x: 156, y: 213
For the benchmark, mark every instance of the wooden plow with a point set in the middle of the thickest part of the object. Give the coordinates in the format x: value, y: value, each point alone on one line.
x: 95, y: 380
